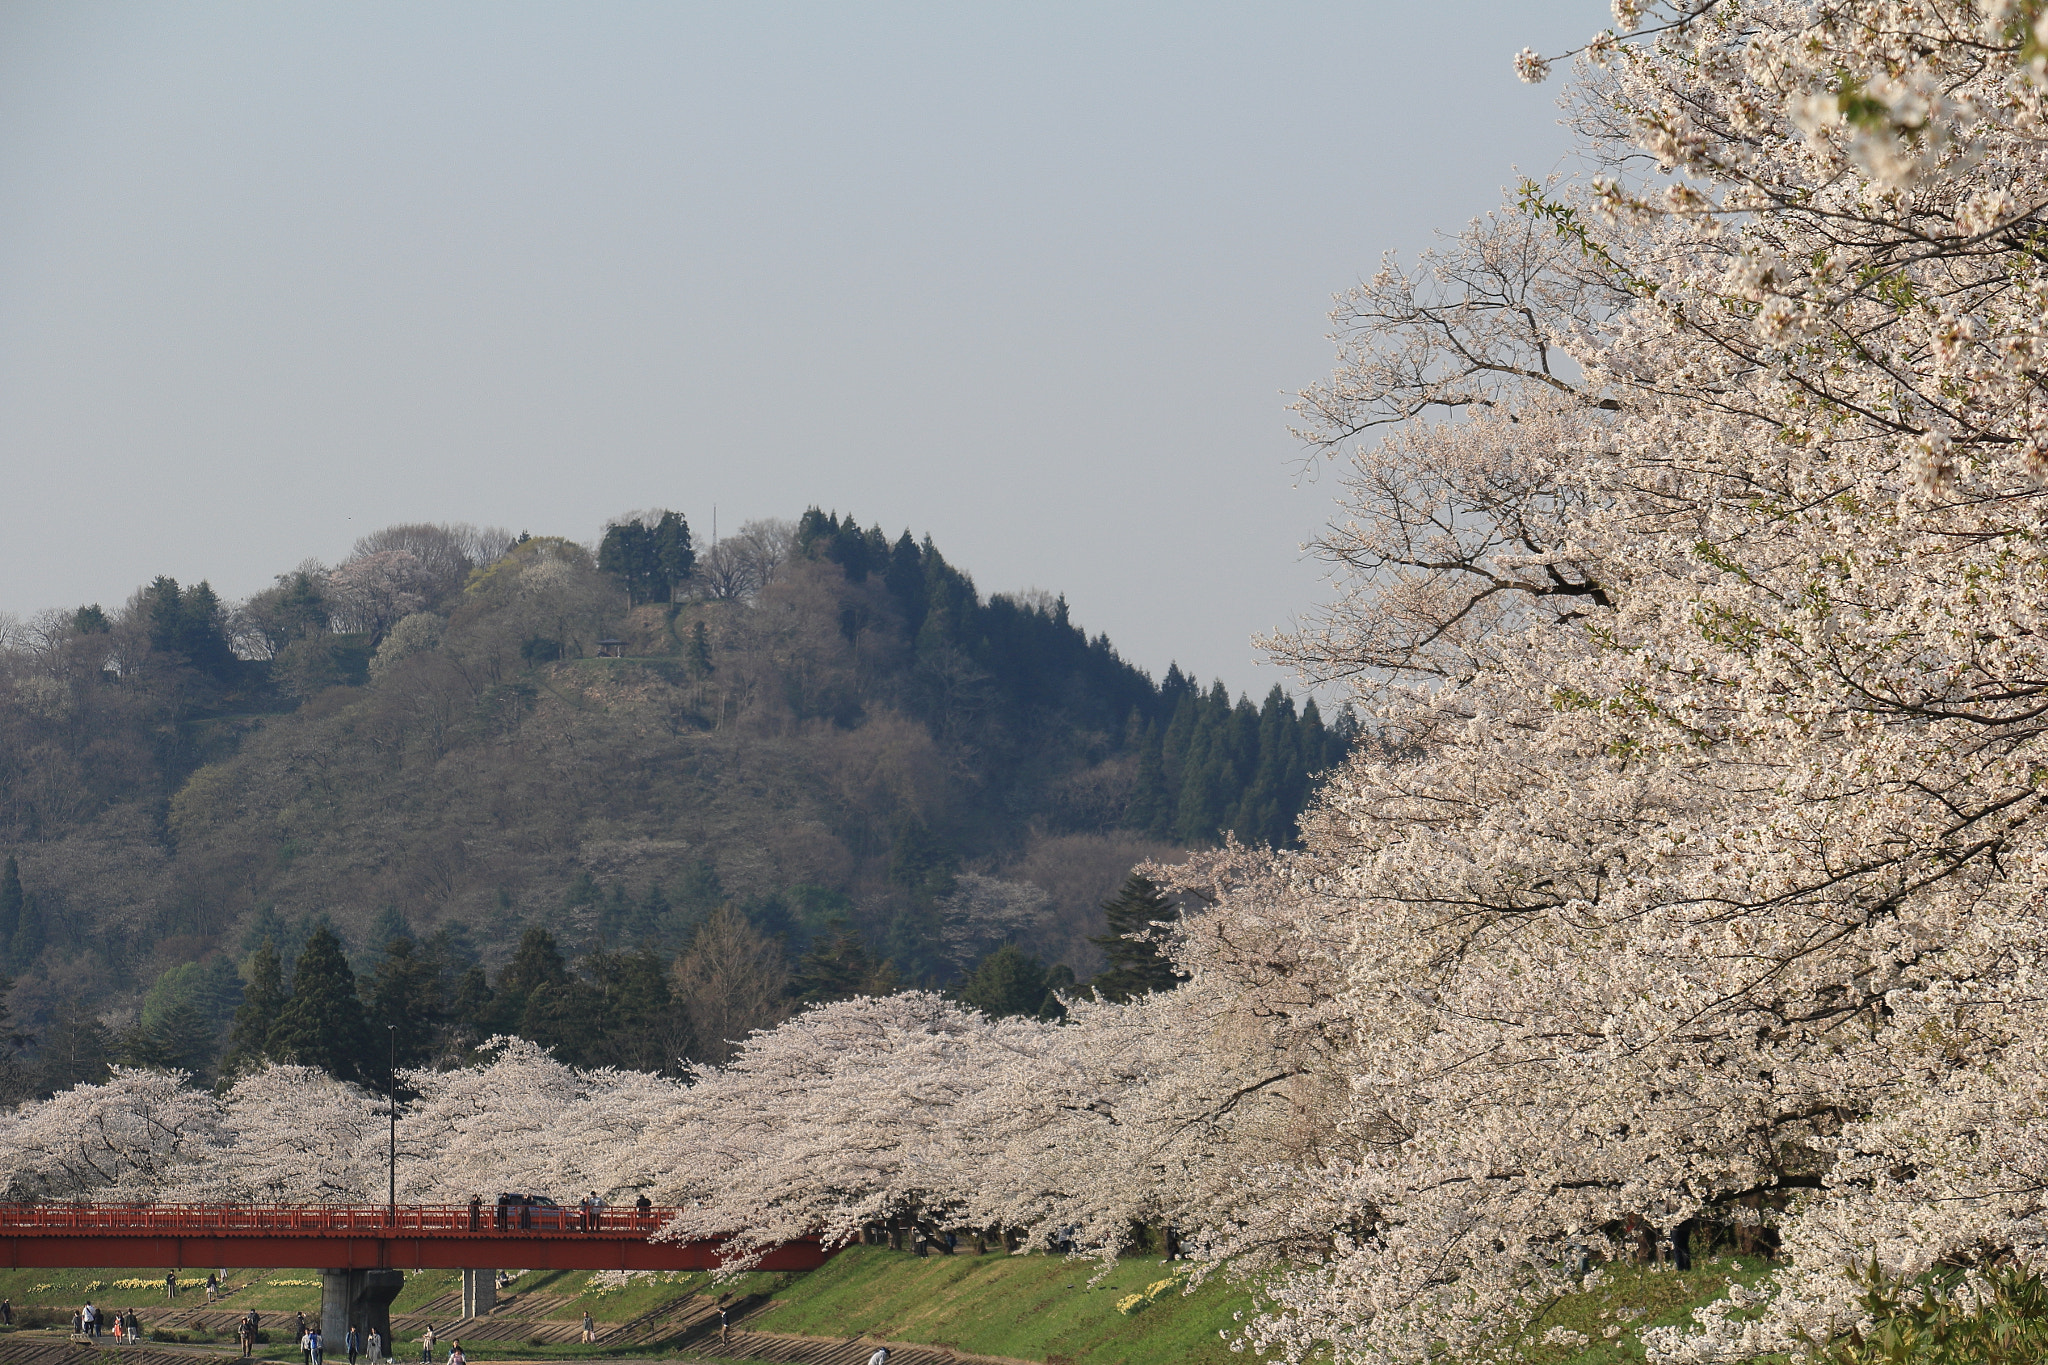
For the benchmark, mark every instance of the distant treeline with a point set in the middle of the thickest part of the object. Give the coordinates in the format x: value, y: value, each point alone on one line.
x: 809, y: 731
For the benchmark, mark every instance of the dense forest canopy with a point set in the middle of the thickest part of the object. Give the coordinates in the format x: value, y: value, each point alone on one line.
x: 694, y: 785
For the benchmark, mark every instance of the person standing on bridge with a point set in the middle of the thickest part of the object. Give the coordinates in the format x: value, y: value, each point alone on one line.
x: 476, y: 1213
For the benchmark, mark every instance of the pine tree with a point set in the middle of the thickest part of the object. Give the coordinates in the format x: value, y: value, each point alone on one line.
x: 16, y: 1081
x: 322, y: 1025
x: 905, y: 581
x: 75, y: 1050
x: 627, y: 553
x: 673, y: 558
x: 1010, y: 981
x: 174, y: 1036
x: 839, y: 967
x: 536, y: 964
x: 1136, y: 966
x: 476, y: 1008
x: 1151, y: 808
x: 699, y: 654
x: 11, y: 899
x: 390, y: 923
x: 409, y: 992
x: 263, y: 1000
x: 700, y: 891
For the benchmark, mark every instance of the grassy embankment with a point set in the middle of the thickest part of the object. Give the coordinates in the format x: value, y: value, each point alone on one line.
x: 1028, y: 1307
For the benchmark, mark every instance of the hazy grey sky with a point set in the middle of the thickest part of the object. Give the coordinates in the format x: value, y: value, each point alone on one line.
x: 1036, y: 279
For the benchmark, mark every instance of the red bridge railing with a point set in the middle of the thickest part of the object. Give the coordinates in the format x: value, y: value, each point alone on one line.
x: 325, y: 1220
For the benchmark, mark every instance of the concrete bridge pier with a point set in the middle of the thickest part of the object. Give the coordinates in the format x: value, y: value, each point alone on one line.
x: 479, y: 1292
x: 361, y: 1297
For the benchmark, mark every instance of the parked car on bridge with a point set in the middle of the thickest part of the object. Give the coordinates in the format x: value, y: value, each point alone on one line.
x: 533, y: 1213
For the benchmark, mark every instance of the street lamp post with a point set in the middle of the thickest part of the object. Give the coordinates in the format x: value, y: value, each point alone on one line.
x: 391, y: 1099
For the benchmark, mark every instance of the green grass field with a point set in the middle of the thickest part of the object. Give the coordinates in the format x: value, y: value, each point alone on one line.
x: 1027, y: 1307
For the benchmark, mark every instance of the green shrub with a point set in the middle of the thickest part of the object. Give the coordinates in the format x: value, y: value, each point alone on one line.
x: 2000, y: 1320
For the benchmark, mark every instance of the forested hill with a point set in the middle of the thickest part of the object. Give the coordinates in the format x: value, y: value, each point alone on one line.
x: 462, y: 735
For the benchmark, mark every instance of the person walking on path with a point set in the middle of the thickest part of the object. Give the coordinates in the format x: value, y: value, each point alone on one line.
x: 354, y: 1342
x: 302, y: 1325
x: 6, y: 1312
x: 134, y: 1326
x: 306, y: 1345
x: 92, y: 1319
x: 880, y: 1357
x: 427, y: 1346
x: 589, y: 1330
x: 170, y: 1284
x: 374, y: 1350
x: 246, y: 1335
x: 723, y: 1325
x: 119, y: 1331
x: 212, y: 1286
x: 455, y: 1355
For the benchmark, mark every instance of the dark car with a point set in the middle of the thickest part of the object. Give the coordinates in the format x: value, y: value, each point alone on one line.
x: 532, y: 1213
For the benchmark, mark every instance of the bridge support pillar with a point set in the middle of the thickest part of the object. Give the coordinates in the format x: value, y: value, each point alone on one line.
x: 334, y: 1305
x: 359, y: 1298
x: 479, y: 1292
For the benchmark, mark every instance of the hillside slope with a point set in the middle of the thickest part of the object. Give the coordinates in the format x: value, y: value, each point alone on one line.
x: 459, y: 738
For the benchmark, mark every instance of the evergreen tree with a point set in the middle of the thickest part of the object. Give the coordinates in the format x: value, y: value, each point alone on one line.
x: 699, y: 654
x: 920, y: 862
x: 1151, y: 809
x: 17, y: 1083
x: 700, y: 891
x: 905, y: 580
x: 640, y: 1022
x: 1136, y: 966
x: 75, y: 1050
x: 409, y: 993
x: 564, y: 1017
x: 674, y: 559
x: 839, y: 967
x: 323, y: 1025
x: 650, y: 563
x: 11, y: 899
x: 190, y: 626
x: 175, y: 1036
x: 476, y: 1008
x: 537, y: 964
x: 1010, y: 981
x: 390, y: 923
x: 91, y: 620
x: 263, y: 1001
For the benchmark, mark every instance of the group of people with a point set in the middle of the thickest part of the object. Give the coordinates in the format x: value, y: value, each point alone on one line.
x: 369, y: 1346
x: 456, y: 1356
x: 88, y: 1322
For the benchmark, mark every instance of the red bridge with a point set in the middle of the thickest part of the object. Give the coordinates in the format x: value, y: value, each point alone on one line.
x: 345, y: 1238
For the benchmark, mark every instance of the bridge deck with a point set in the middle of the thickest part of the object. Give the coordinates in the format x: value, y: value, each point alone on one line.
x: 334, y: 1236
